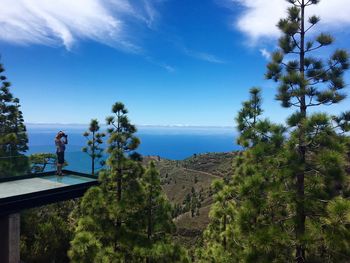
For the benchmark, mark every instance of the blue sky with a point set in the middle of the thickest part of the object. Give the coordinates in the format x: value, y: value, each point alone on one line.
x: 172, y: 62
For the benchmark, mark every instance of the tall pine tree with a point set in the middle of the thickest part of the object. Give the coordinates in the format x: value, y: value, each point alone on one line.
x: 305, y: 81
x: 110, y: 223
x: 289, y: 193
x: 93, y: 148
x: 13, y: 137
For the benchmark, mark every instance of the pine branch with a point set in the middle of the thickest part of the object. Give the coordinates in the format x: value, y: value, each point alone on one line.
x: 321, y: 103
x: 115, y: 126
x: 315, y: 83
x: 327, y: 70
x: 293, y: 90
x: 308, y: 3
x: 287, y: 66
x: 296, y: 43
x: 311, y: 26
x: 315, y: 48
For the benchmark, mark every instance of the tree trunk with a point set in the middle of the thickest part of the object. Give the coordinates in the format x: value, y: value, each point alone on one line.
x: 119, y: 178
x: 224, y: 226
x: 93, y: 154
x: 149, y: 225
x: 300, y: 209
x: 119, y: 195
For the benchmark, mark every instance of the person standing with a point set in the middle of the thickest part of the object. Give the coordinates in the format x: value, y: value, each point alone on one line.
x: 60, y: 141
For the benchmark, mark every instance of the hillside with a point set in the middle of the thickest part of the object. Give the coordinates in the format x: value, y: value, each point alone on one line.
x: 187, y: 186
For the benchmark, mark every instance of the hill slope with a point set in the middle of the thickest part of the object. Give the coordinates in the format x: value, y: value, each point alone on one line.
x: 187, y: 186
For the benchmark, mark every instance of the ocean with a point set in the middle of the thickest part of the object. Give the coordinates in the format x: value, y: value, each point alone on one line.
x: 174, y: 143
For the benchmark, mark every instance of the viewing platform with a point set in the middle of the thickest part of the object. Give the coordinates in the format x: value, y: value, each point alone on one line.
x: 23, y: 192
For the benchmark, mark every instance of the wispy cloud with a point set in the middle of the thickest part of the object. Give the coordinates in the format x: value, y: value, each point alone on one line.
x: 151, y: 12
x: 163, y: 65
x: 181, y: 44
x: 259, y: 18
x: 65, y: 22
x: 265, y: 53
x: 168, y: 68
x: 203, y: 56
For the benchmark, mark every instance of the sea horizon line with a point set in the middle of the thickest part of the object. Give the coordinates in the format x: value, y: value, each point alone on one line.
x: 137, y: 125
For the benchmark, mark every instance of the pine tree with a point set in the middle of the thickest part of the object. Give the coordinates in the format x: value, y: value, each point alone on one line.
x: 94, y: 149
x: 305, y: 81
x: 159, y: 247
x: 253, y: 217
x: 121, y: 142
x: 194, y: 203
x: 111, y: 219
x: 247, y: 206
x: 289, y: 190
x: 13, y: 137
x: 215, y: 247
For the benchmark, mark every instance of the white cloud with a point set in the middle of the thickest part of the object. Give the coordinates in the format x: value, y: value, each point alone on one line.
x: 266, y: 54
x: 64, y: 22
x: 260, y: 17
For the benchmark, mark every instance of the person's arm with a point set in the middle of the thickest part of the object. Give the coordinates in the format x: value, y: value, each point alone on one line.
x: 66, y: 139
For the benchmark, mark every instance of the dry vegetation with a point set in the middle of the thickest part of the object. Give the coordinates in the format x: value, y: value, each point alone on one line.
x: 197, y: 172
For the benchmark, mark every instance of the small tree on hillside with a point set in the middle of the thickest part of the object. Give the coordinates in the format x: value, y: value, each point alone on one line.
x: 13, y: 136
x: 94, y: 149
x: 160, y: 247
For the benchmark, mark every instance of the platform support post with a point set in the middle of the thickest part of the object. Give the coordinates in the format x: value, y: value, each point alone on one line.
x: 10, y: 238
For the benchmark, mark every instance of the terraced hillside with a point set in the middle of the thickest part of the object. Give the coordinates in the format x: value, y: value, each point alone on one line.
x: 187, y: 184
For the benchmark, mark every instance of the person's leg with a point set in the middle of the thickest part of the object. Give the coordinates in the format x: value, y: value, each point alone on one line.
x: 57, y: 164
x: 60, y: 161
x: 59, y: 169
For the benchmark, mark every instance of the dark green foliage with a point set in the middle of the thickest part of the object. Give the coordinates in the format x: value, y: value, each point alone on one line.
x: 46, y: 232
x: 94, y: 149
x: 159, y: 246
x: 241, y: 228
x: 13, y: 137
x: 121, y: 140
x: 191, y: 203
x: 158, y: 209
x: 252, y: 128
